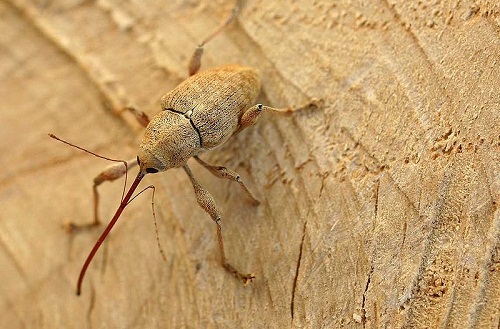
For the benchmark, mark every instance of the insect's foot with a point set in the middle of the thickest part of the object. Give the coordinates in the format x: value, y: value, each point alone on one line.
x: 255, y: 202
x: 247, y: 278
x: 71, y: 227
x: 312, y: 104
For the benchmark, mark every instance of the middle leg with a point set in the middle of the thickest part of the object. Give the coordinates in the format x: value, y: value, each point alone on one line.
x: 223, y: 172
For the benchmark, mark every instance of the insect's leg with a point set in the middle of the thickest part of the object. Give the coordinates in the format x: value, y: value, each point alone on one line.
x: 250, y: 117
x: 223, y: 172
x: 206, y: 201
x: 195, y: 61
x: 109, y: 174
x: 140, y: 116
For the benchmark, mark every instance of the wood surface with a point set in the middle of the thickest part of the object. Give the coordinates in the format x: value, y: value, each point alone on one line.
x: 379, y: 209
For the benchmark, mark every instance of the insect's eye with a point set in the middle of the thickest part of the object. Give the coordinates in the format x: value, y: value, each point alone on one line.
x: 138, y: 162
x: 151, y: 170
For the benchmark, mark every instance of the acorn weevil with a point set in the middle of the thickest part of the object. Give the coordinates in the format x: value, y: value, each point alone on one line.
x: 201, y: 113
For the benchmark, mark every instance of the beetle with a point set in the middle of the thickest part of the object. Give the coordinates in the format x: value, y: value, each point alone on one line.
x: 200, y: 114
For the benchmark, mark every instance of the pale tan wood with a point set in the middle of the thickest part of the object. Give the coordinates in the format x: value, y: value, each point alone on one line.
x: 380, y: 209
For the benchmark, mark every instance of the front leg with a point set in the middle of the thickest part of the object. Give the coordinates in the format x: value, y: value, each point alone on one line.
x: 140, y: 116
x: 207, y: 202
x: 109, y: 174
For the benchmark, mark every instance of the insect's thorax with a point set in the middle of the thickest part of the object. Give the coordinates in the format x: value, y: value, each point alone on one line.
x: 169, y: 141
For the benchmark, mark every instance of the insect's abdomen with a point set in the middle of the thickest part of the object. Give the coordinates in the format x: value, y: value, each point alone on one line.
x: 218, y: 98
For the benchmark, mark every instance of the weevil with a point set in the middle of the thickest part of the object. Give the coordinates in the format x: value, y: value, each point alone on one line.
x: 200, y: 114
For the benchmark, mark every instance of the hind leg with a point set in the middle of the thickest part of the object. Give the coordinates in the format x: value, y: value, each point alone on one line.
x: 206, y: 201
x: 195, y: 61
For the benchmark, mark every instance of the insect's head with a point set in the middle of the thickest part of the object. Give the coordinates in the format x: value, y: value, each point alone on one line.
x: 168, y: 142
x: 148, y: 163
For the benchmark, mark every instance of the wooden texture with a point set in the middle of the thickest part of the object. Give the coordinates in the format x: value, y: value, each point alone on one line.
x: 379, y: 209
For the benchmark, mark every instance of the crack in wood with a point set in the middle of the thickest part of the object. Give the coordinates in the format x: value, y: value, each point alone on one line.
x: 297, y: 270
x: 12, y: 256
x: 91, y: 308
x: 363, y: 310
x: 376, y: 198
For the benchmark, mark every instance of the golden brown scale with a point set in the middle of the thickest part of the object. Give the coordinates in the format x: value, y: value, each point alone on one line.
x: 218, y: 98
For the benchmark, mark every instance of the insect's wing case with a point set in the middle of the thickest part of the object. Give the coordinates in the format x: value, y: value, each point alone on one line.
x: 218, y: 98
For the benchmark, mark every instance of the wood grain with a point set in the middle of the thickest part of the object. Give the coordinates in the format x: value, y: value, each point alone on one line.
x: 379, y: 209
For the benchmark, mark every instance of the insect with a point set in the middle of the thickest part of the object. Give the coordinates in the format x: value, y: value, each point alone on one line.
x: 201, y: 113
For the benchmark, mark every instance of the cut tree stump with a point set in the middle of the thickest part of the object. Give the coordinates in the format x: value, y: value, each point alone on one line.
x: 379, y: 208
